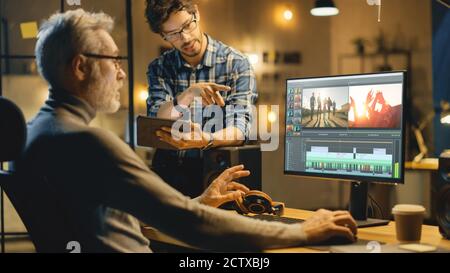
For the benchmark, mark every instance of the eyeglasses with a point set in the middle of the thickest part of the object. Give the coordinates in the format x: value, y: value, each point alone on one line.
x: 116, y: 59
x: 187, y: 28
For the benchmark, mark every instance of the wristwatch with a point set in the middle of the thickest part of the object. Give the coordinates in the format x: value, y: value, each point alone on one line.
x: 210, y: 143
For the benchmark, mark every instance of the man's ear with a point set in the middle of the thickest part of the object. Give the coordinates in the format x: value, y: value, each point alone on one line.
x: 197, y: 13
x: 79, y: 67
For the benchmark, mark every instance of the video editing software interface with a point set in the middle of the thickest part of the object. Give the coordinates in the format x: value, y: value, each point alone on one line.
x: 345, y: 126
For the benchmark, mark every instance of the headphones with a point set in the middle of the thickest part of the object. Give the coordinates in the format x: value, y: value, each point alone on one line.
x: 255, y: 202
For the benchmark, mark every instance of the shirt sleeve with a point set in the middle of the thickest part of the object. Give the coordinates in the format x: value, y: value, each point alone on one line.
x: 159, y: 89
x: 134, y: 189
x: 239, y: 104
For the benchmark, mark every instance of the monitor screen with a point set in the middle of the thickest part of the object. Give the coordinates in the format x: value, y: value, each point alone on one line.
x: 347, y: 127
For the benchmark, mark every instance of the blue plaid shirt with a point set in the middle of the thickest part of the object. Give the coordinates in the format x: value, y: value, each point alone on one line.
x: 170, y: 75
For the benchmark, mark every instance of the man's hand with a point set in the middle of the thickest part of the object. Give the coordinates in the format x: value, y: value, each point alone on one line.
x: 195, y: 139
x: 223, y: 189
x: 209, y: 92
x: 325, y: 224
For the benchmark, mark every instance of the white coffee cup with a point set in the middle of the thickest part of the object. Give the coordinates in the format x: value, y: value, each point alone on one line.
x: 408, y: 222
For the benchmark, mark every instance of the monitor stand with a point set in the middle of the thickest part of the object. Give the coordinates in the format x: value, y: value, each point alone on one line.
x: 358, y: 206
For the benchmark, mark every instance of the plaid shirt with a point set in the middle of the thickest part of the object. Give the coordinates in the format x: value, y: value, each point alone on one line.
x: 170, y: 75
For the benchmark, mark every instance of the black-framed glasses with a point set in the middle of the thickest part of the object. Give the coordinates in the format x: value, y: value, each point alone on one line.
x: 187, y: 28
x: 116, y: 59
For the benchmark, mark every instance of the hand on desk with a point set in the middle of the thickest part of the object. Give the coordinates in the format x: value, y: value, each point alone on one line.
x: 325, y: 224
x: 224, y: 189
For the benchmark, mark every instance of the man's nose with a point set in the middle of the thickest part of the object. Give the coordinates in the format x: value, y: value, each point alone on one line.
x: 184, y: 36
x: 121, y: 75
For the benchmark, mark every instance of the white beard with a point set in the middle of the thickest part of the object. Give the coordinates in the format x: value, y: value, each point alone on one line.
x: 103, y: 93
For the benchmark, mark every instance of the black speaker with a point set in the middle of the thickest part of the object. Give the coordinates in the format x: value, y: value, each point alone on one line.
x: 442, y: 202
x: 215, y: 161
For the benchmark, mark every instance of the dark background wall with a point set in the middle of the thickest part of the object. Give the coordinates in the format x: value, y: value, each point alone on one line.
x: 441, y: 72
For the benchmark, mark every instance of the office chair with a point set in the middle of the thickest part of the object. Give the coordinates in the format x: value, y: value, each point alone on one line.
x: 12, y: 141
x: 36, y: 201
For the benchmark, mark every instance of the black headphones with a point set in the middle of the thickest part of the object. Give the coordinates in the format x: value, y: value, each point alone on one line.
x: 255, y: 202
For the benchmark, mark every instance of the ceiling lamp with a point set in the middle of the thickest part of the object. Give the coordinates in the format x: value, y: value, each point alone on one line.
x: 324, y: 8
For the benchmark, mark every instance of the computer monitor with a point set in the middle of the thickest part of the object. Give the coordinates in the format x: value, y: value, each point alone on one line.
x: 348, y: 127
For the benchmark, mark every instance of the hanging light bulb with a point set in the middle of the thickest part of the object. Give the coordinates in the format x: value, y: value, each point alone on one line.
x: 377, y: 3
x: 288, y: 15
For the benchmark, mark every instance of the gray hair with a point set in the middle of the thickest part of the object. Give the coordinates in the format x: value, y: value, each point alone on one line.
x: 63, y: 36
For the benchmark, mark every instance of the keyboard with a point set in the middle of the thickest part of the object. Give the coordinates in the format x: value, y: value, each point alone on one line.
x: 275, y: 218
x: 288, y: 220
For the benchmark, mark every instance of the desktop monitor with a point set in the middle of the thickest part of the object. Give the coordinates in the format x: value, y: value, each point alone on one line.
x: 348, y: 127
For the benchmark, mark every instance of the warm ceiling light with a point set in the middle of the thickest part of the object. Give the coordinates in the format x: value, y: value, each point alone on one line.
x: 143, y: 95
x: 253, y: 58
x: 288, y: 15
x: 324, y: 8
x: 272, y: 117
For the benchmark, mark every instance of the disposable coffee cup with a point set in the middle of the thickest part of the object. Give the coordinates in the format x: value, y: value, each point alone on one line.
x: 408, y: 222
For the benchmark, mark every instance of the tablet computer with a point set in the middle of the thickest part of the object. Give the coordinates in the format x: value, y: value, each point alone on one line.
x: 146, y: 132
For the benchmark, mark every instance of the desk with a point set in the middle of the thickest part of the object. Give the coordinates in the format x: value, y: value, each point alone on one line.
x: 386, y: 234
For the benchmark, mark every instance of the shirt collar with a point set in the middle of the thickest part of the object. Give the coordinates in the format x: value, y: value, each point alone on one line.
x: 73, y: 104
x: 209, y: 59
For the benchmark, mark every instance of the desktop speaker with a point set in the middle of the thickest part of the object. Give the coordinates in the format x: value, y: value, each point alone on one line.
x: 442, y: 187
x: 218, y: 160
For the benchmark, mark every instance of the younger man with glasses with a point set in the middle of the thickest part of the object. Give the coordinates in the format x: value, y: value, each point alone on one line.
x: 198, y: 66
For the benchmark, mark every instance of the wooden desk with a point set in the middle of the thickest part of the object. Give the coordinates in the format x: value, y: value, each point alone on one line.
x: 386, y: 234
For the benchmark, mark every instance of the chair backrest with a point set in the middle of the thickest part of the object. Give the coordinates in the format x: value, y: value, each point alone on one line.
x: 13, y: 131
x: 12, y: 140
x: 38, y: 212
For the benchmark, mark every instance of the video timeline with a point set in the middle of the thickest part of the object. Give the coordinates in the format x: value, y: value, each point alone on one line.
x: 351, y: 158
